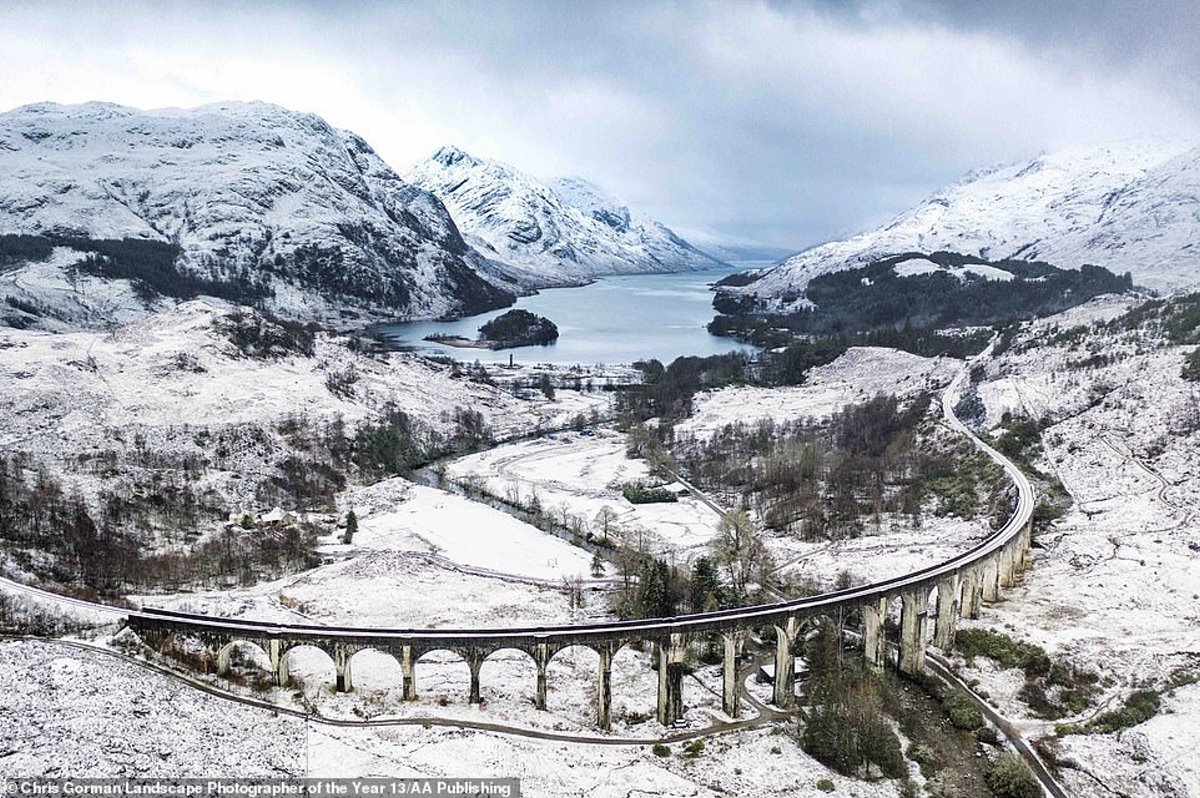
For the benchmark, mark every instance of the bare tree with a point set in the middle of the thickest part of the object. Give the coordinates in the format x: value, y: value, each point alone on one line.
x: 605, y: 520
x: 739, y: 550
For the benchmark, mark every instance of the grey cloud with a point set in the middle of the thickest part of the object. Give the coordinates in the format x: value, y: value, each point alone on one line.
x: 1159, y: 35
x: 789, y: 122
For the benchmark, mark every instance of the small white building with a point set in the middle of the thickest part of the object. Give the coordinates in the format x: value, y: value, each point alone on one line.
x: 277, y: 517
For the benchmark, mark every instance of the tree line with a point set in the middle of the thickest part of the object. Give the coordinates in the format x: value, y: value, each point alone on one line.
x: 58, y: 536
x: 875, y: 299
x: 831, y: 479
x: 156, y: 531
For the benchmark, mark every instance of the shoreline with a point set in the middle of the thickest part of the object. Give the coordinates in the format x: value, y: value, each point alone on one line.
x: 460, y: 342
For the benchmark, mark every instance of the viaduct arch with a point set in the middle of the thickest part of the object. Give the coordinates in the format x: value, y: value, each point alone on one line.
x: 952, y: 589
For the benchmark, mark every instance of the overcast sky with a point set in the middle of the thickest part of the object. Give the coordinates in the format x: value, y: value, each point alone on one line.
x: 789, y: 123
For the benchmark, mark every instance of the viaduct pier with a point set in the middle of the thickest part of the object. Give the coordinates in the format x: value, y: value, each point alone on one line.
x: 948, y: 591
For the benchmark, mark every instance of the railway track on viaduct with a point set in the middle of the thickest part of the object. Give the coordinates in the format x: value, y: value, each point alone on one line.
x: 956, y: 587
x: 948, y: 590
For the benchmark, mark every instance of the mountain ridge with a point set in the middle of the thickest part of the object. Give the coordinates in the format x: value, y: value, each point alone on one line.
x: 560, y: 231
x: 250, y: 193
x: 1130, y: 206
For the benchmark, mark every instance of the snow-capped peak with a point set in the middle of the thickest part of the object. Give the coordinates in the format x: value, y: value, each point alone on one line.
x: 1127, y: 206
x: 558, y: 231
x: 451, y: 155
x: 251, y: 193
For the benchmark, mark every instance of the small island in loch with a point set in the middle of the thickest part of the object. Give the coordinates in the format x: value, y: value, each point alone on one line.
x: 510, y: 329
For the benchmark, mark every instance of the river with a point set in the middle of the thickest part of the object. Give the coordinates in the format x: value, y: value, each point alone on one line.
x: 613, y: 320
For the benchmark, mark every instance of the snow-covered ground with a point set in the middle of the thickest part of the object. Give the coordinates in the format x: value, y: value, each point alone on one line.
x: 858, y: 375
x: 63, y: 291
x: 69, y: 700
x: 1115, y: 583
x: 173, y: 388
x: 892, y: 550
x: 1160, y: 757
x: 467, y: 533
x: 582, y: 475
x: 60, y: 706
x: 421, y: 558
x: 384, y: 588
x: 912, y: 266
x: 753, y: 764
x: 176, y: 368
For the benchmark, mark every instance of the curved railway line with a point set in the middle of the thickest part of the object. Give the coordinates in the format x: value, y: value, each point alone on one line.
x: 973, y: 574
x: 761, y: 614
x: 958, y: 585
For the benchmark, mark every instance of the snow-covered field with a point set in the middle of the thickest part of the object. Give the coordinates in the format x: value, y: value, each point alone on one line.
x: 56, y: 285
x: 1115, y: 584
x: 582, y: 475
x: 392, y: 588
x: 398, y: 515
x: 69, y: 700
x: 893, y: 549
x: 60, y: 706
x: 858, y: 375
x: 750, y: 764
x: 422, y: 558
x: 1160, y: 757
x: 173, y: 388
x: 177, y: 369
x: 913, y: 266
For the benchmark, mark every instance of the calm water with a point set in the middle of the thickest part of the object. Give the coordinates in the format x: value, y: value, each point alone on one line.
x: 613, y: 320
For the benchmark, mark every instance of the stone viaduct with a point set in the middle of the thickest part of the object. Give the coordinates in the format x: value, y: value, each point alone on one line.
x: 951, y: 589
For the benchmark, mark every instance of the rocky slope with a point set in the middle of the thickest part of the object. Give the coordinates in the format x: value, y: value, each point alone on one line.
x: 1114, y: 581
x: 557, y: 232
x: 290, y: 211
x: 1131, y: 206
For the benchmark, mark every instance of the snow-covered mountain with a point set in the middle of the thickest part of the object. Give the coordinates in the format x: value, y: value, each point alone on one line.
x: 554, y: 232
x: 1131, y: 206
x: 252, y: 194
